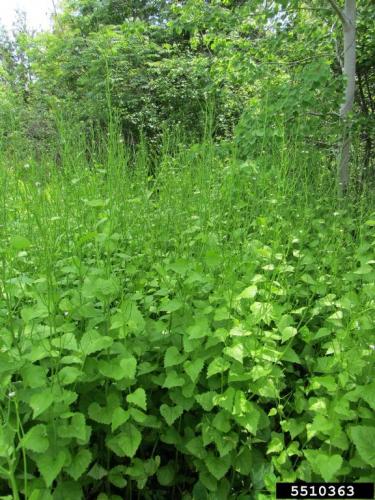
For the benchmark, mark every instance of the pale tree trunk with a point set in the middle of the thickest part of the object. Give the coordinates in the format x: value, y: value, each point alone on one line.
x: 347, y: 17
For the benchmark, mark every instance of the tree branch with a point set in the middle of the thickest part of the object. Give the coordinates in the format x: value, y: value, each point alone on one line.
x: 338, y: 11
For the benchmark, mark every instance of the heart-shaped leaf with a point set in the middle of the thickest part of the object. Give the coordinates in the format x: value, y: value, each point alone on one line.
x: 138, y: 398
x: 171, y: 413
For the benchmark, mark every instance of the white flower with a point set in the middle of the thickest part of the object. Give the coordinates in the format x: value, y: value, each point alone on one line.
x: 11, y: 394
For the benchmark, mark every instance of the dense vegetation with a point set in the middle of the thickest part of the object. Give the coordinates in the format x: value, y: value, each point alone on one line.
x: 186, y: 304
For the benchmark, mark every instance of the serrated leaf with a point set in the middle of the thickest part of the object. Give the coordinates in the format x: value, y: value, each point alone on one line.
x: 111, y: 369
x: 41, y: 401
x: 248, y: 293
x: 200, y: 329
x: 173, y: 357
x: 288, y: 333
x: 196, y: 448
x: 97, y: 472
x: 128, y: 318
x: 36, y: 439
x: 218, y: 365
x: 208, y: 481
x: 79, y: 464
x: 127, y: 442
x: 50, y: 465
x: 92, y: 341
x: 171, y: 306
x: 68, y: 375
x: 129, y: 365
x: 171, y: 413
x: 206, y: 400
x: 119, y: 417
x: 116, y: 476
x: 290, y: 355
x: 77, y: 428
x: 236, y: 352
x: 262, y: 311
x: 173, y: 379
x: 325, y: 465
x: 193, y: 368
x: 101, y: 414
x: 367, y: 392
x: 218, y: 466
x: 34, y: 376
x: 138, y: 398
x: 225, y: 400
x: 363, y: 437
x: 221, y: 421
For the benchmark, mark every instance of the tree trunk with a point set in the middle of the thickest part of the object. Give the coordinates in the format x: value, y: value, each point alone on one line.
x: 348, y: 21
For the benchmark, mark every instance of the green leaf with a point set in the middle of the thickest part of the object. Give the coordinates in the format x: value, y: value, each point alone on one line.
x: 76, y: 429
x: 196, y: 448
x: 218, y: 466
x: 173, y: 379
x: 288, y: 333
x: 36, y: 311
x: 200, y: 329
x: 249, y: 292
x: 226, y: 399
x: 138, y: 398
x: 129, y: 365
x: 325, y: 465
x: 101, y: 414
x: 68, y: 375
x: 119, y: 417
x: 206, y: 400
x: 79, y: 464
x: 172, y: 306
x: 222, y: 421
x: 173, y: 357
x: 276, y: 444
x: 41, y: 401
x: 208, y: 481
x: 36, y: 439
x: 262, y: 311
x: 34, y: 376
x: 368, y: 394
x: 218, y: 365
x: 111, y: 369
x: 92, y: 341
x: 97, y: 472
x: 171, y: 413
x: 116, y: 476
x: 363, y: 437
x: 118, y: 368
x: 166, y: 475
x: 127, y: 442
x: 193, y: 368
x: 290, y: 355
x: 50, y: 465
x: 236, y: 352
x: 128, y: 318
x: 244, y: 461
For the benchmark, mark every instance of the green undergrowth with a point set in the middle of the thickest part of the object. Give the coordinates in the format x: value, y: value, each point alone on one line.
x: 200, y: 332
